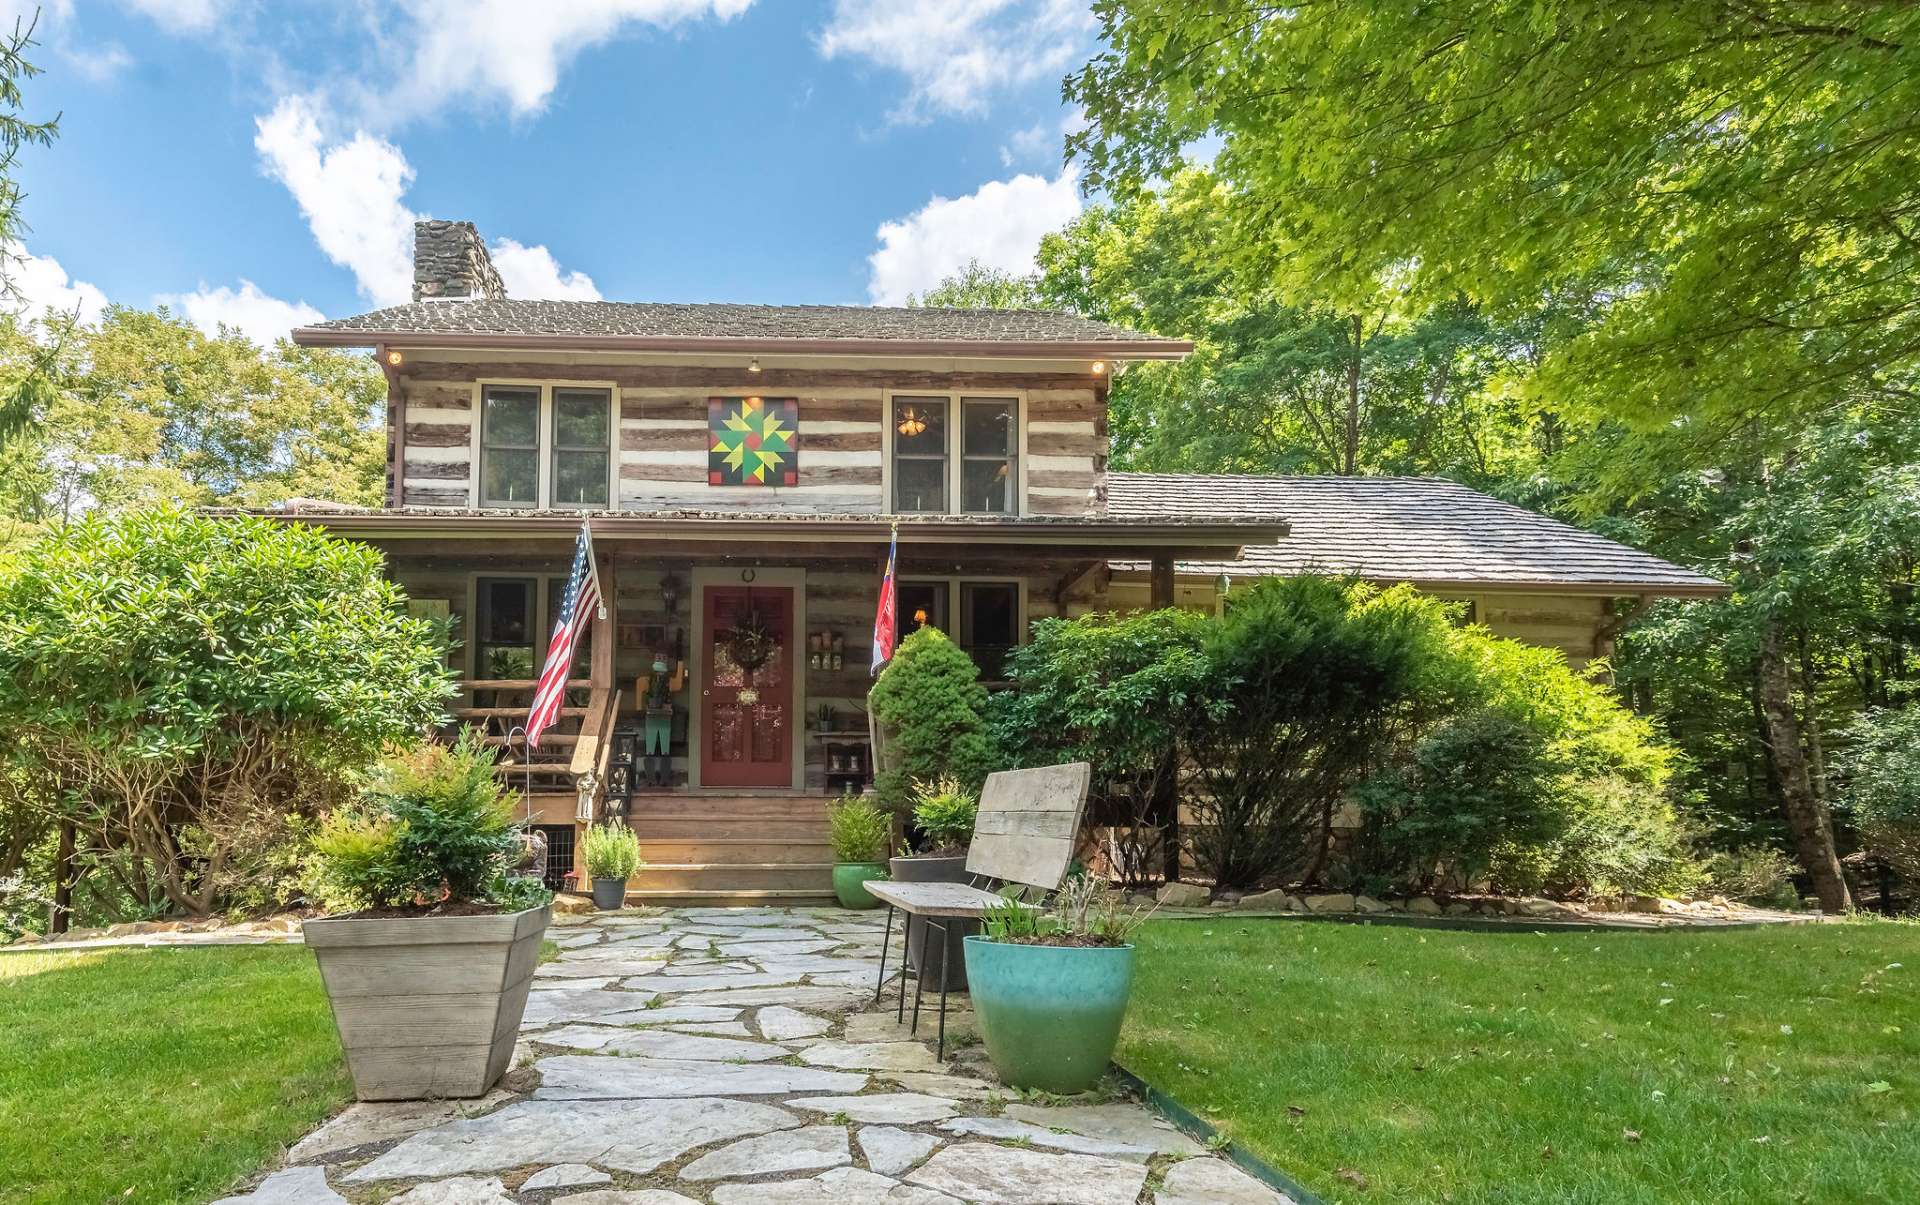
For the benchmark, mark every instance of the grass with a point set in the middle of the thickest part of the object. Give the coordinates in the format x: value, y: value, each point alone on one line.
x: 1390, y: 1064
x: 161, y: 1075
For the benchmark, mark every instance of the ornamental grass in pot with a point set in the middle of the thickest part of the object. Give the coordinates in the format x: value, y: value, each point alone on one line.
x: 1050, y: 986
x: 430, y: 944
x: 859, y: 833
x: 612, y: 854
x: 944, y: 811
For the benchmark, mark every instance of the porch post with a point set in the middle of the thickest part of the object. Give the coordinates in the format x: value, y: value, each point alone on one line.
x: 600, y: 657
x: 1160, y: 582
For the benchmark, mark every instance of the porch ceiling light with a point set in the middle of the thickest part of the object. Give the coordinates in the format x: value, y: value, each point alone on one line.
x: 394, y: 358
x: 911, y: 424
x: 753, y: 365
x: 1099, y: 366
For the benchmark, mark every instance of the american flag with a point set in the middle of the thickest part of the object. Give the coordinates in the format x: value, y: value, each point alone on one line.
x: 579, y: 604
x: 886, y: 627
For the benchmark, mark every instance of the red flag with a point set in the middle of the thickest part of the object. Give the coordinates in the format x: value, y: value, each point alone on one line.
x: 886, y: 627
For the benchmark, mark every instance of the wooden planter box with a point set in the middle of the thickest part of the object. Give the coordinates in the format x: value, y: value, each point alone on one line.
x: 428, y: 1007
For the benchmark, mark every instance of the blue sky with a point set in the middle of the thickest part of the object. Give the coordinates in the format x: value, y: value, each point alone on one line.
x: 262, y: 163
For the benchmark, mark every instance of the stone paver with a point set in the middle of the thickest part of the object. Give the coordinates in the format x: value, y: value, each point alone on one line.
x: 891, y: 1150
x: 565, y: 1175
x: 808, y: 1149
x: 295, y: 1186
x: 1000, y: 1175
x: 741, y: 1051
x: 1214, y: 1182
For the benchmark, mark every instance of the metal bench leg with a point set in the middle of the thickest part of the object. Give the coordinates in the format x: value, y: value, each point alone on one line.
x: 940, y: 1045
x: 920, y: 976
x: 900, y: 1005
x: 881, y: 984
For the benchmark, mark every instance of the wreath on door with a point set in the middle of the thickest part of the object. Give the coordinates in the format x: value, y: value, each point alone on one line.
x: 750, y: 642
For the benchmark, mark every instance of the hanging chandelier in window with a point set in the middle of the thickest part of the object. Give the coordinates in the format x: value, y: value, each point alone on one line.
x: 912, y: 423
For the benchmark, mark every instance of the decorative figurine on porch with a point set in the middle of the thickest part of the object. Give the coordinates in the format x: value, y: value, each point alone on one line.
x: 659, y: 690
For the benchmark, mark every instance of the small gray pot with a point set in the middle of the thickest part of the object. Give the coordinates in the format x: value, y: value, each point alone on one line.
x: 609, y: 895
x: 936, y: 870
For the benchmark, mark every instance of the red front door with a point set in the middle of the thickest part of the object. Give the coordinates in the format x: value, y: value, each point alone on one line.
x: 747, y: 714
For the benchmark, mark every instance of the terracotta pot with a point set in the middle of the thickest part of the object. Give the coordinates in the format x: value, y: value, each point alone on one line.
x: 428, y: 1006
x: 936, y: 870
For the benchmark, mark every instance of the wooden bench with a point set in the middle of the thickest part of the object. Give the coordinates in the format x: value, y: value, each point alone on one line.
x: 1025, y: 834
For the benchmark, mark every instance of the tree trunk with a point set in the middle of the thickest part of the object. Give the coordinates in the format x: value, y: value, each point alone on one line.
x: 58, y: 920
x: 1807, y: 816
x: 1350, y: 457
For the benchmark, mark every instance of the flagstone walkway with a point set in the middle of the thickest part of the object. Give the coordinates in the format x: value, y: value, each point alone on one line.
x: 731, y: 1056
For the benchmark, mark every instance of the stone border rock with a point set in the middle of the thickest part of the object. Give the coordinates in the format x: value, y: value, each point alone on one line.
x: 1634, y: 913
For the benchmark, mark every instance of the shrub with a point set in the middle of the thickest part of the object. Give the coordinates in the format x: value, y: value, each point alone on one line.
x: 1882, y: 775
x: 182, y: 683
x: 1116, y: 692
x: 1473, y: 785
x: 611, y: 850
x: 944, y: 812
x: 1609, y: 773
x: 930, y: 705
x: 1313, y: 680
x: 857, y: 830
x: 433, y: 826
x: 1755, y: 874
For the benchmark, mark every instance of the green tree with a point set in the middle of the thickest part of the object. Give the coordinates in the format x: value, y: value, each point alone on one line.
x: 142, y: 408
x: 979, y: 287
x: 18, y: 399
x: 1725, y: 194
x: 175, y: 686
x: 931, y: 708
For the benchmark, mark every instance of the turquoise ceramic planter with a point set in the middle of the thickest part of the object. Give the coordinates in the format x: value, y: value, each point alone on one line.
x: 1050, y: 1015
x: 849, y: 883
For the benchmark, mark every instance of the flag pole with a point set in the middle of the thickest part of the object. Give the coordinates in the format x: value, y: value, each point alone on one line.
x: 593, y: 567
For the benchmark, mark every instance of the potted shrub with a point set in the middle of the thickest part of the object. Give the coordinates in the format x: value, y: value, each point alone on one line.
x: 612, y: 854
x: 859, y: 833
x: 1050, y: 987
x: 430, y: 946
x: 943, y: 816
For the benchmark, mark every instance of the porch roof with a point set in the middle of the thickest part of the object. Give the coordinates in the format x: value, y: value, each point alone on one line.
x: 1434, y: 533
x: 1188, y: 535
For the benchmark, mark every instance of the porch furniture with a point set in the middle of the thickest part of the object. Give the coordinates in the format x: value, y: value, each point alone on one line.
x: 847, y: 758
x: 1024, y: 835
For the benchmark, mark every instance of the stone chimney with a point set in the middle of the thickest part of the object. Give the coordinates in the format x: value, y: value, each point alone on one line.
x: 450, y: 260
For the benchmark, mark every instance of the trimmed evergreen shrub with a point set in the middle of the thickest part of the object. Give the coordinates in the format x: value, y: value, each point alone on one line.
x: 930, y: 706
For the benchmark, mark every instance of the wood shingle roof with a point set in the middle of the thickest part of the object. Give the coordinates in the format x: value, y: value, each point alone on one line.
x: 1425, y: 530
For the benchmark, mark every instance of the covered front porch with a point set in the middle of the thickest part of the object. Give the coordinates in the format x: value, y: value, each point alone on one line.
x: 722, y: 698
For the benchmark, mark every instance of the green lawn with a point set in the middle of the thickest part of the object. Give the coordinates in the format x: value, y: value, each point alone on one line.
x: 1778, y: 1065
x: 158, y: 1075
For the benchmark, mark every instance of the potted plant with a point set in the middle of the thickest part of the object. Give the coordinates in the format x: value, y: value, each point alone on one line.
x: 1050, y: 987
x: 859, y: 832
x: 943, y: 814
x: 612, y: 853
x: 430, y: 944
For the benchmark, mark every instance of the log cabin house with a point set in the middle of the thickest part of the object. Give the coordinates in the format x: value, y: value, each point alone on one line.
x: 743, y: 468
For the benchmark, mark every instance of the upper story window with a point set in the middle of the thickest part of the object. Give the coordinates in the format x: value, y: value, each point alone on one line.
x: 546, y: 446
x: 954, y: 453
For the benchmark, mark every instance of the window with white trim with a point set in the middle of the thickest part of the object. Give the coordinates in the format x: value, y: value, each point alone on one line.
x: 954, y: 453
x: 510, y: 446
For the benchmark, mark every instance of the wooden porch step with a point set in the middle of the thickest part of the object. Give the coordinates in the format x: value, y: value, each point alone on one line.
x: 736, y: 876
x: 722, y: 898
x: 701, y: 828
x: 740, y: 807
x: 714, y: 851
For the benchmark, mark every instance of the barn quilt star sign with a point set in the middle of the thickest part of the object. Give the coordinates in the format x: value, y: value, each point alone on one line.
x: 753, y: 441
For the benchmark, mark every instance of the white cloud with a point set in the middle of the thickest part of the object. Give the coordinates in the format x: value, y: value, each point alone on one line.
x: 255, y: 314
x: 955, y: 53
x: 350, y: 193
x: 180, y: 16
x: 533, y: 272
x: 99, y: 65
x: 999, y: 224
x: 447, y: 50
x: 44, y: 287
